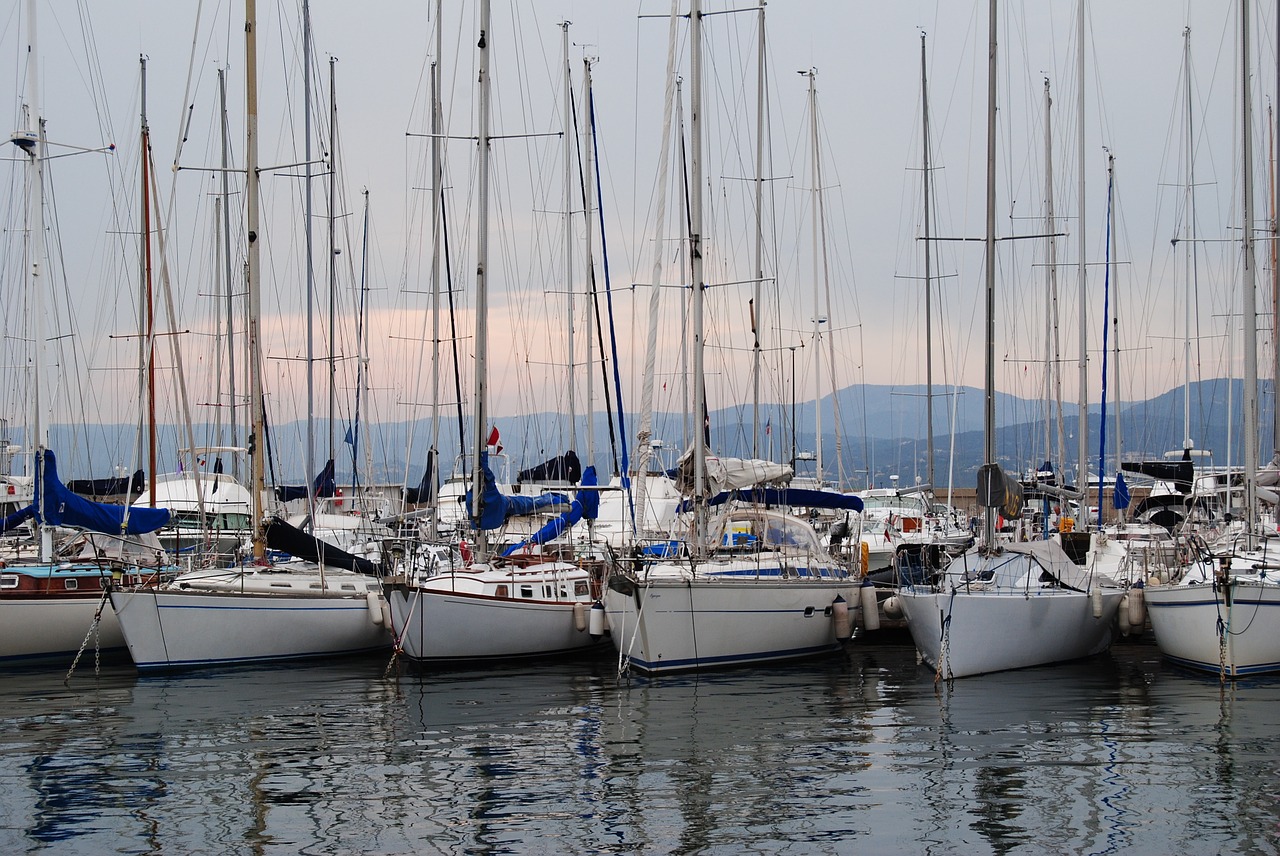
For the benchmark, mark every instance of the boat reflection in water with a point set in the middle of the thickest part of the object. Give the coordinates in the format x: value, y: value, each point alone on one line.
x: 1122, y: 753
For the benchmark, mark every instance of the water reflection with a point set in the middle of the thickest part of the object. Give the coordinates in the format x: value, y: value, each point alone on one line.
x: 1116, y: 754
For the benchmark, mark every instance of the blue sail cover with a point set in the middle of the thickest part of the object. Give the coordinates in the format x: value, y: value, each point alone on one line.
x: 585, y: 504
x: 496, y: 507
x: 64, y: 508
x: 15, y: 520
x: 1120, y: 495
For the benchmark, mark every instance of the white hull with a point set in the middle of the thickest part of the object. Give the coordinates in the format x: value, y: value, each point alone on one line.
x: 173, y: 628
x: 33, y: 629
x: 666, y: 625
x: 495, y: 613
x: 1186, y: 620
x: 995, y: 631
x: 436, y: 626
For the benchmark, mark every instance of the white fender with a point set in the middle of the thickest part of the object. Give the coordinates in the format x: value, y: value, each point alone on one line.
x: 870, y: 609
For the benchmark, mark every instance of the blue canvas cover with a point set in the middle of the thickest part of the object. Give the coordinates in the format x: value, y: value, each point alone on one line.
x: 496, y: 507
x: 585, y: 504
x: 61, y: 507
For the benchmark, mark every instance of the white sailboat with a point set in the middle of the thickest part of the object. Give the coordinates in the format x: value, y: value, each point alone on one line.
x: 751, y: 585
x: 60, y: 551
x: 1217, y: 617
x: 489, y: 607
x: 257, y: 612
x: 1006, y: 606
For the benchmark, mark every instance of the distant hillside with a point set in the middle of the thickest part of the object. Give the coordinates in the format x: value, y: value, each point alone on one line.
x: 882, y: 433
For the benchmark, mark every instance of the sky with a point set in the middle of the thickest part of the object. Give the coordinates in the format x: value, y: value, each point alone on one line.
x: 861, y: 272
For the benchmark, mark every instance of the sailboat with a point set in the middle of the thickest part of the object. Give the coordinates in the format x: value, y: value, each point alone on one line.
x: 751, y: 584
x: 1217, y: 617
x: 1006, y: 606
x: 258, y: 612
x: 490, y: 607
x: 53, y: 584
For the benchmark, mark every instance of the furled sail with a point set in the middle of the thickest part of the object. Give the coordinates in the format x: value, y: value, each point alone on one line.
x: 55, y: 505
x: 585, y: 505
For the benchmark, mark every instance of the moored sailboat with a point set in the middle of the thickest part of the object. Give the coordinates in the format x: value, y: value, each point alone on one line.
x: 256, y: 612
x: 1006, y: 606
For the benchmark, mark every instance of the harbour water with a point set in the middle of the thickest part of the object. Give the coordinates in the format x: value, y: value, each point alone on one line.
x: 862, y: 752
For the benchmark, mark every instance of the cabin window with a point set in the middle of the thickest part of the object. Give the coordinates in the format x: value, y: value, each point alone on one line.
x: 282, y: 585
x: 348, y: 587
x: 9, y: 581
x: 501, y: 591
x: 315, y: 586
x: 526, y: 591
x: 71, y: 585
x: 579, y: 589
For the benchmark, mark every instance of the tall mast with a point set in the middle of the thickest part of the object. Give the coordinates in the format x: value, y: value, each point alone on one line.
x: 928, y: 258
x: 695, y: 260
x: 1053, y: 376
x: 310, y: 266
x: 989, y: 409
x: 433, y: 454
x: 257, y: 439
x: 228, y: 287
x: 482, y: 284
x: 31, y: 141
x: 1082, y: 429
x: 1275, y: 286
x: 568, y: 242
x: 816, y: 199
x: 147, y: 307
x: 588, y: 197
x: 1251, y: 421
x: 333, y: 256
x: 759, y: 267
x: 1189, y: 234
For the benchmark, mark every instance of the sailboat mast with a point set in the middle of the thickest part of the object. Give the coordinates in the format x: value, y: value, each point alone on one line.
x: 588, y: 197
x: 989, y: 409
x: 257, y: 439
x: 310, y: 265
x: 928, y: 259
x: 147, y: 344
x: 333, y: 258
x: 1188, y: 236
x: 437, y: 182
x: 695, y: 260
x: 482, y: 284
x: 1082, y: 426
x: 816, y: 200
x: 567, y: 152
x: 759, y: 266
x: 1054, y: 374
x: 1251, y: 420
x: 228, y: 288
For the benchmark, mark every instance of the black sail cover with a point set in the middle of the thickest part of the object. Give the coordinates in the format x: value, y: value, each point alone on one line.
x: 289, y: 539
x: 996, y: 489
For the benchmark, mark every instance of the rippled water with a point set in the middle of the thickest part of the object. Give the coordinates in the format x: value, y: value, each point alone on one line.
x: 1120, y: 754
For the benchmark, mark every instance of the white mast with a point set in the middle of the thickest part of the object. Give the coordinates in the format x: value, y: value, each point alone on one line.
x: 759, y: 267
x: 568, y: 243
x: 1188, y: 236
x: 1251, y: 420
x: 1082, y: 428
x: 433, y: 454
x: 588, y: 196
x: 31, y: 141
x: 1053, y: 377
x: 816, y: 199
x: 928, y: 258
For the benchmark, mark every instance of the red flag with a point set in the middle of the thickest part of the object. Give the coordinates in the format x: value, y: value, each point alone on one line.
x: 493, y: 440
